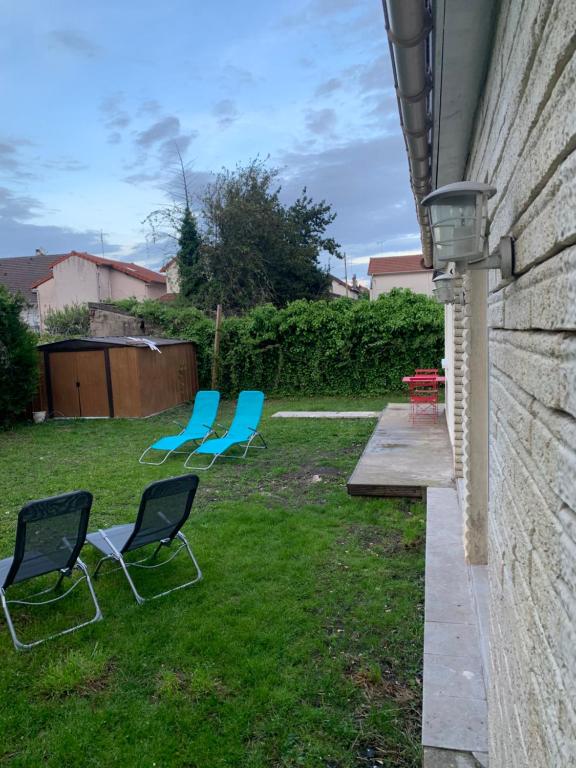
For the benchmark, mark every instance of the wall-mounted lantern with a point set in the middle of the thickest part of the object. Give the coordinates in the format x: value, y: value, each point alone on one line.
x: 458, y: 219
x: 444, y: 290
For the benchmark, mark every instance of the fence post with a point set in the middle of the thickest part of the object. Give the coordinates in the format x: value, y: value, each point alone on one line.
x: 216, y: 355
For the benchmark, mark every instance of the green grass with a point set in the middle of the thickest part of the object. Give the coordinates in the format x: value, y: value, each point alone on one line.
x: 302, y: 646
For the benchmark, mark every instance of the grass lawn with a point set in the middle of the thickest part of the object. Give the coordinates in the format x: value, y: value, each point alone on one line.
x: 302, y: 646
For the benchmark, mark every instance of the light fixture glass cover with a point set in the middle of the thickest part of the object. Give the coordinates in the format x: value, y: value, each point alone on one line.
x: 443, y: 288
x: 458, y: 218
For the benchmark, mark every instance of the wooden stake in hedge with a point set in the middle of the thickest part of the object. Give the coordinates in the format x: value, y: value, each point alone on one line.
x: 216, y: 355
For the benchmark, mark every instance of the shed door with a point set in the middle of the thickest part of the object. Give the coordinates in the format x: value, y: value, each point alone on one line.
x: 79, y: 386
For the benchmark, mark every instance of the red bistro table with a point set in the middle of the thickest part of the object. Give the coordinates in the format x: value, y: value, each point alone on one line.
x: 424, y: 379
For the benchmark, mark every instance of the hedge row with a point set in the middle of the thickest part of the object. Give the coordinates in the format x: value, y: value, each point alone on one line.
x: 337, y: 347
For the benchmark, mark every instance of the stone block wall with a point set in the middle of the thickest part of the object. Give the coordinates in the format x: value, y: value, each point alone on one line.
x: 525, y: 145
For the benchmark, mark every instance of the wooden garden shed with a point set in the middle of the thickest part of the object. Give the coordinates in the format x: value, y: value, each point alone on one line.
x: 116, y: 376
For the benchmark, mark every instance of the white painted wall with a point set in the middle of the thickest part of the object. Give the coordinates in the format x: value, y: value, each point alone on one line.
x: 172, y: 278
x: 419, y: 282
x: 78, y: 281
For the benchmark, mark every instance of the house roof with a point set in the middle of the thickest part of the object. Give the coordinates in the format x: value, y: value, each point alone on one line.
x: 20, y: 273
x: 388, y: 265
x: 344, y: 284
x: 168, y: 264
x: 127, y: 267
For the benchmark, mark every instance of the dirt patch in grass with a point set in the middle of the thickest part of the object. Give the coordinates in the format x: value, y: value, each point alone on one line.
x: 378, y: 541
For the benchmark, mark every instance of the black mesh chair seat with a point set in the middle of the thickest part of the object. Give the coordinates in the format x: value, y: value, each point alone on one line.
x: 49, y: 536
x: 164, y: 508
x: 118, y: 535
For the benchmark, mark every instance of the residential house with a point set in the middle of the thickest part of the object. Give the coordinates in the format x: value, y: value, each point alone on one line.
x: 339, y: 288
x: 387, y: 272
x: 18, y: 274
x: 486, y: 93
x: 170, y: 271
x: 79, y: 278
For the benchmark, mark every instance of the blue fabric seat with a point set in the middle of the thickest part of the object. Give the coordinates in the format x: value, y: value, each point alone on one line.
x: 243, y: 430
x: 199, y: 427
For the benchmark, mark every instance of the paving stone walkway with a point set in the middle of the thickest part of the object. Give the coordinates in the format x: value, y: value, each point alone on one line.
x: 454, y: 715
x: 326, y: 414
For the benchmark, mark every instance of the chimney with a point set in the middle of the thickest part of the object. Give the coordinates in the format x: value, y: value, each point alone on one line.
x: 354, y: 281
x: 40, y: 252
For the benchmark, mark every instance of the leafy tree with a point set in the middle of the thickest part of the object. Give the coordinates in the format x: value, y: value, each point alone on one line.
x: 72, y: 320
x: 259, y: 250
x: 18, y: 360
x: 188, y: 258
x: 251, y: 248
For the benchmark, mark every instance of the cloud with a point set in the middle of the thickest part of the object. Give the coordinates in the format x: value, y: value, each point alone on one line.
x: 364, y: 181
x: 115, y: 116
x: 65, y: 164
x: 385, y: 254
x: 225, y: 112
x: 11, y: 161
x: 166, y: 128
x: 142, y: 178
x: 234, y: 76
x: 20, y: 237
x: 74, y: 42
x: 328, y: 87
x: 321, y: 121
x: 149, y: 107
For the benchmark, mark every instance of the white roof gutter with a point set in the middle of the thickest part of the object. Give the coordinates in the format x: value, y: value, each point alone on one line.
x: 409, y: 25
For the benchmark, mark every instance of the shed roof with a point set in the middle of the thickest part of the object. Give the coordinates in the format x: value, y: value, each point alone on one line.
x: 103, y: 342
x: 387, y: 265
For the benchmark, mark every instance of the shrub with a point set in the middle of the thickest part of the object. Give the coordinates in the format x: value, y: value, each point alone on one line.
x: 336, y: 347
x: 73, y: 320
x: 18, y: 360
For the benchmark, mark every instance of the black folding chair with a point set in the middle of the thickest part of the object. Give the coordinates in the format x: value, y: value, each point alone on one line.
x: 49, y: 536
x: 164, y: 508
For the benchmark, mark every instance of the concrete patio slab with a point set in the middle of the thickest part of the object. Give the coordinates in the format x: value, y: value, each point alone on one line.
x: 402, y: 459
x: 326, y: 414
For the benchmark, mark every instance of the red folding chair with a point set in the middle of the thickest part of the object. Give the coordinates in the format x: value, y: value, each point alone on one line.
x: 426, y: 372
x: 423, y: 400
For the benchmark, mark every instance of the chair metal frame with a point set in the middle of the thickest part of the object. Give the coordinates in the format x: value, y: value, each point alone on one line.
x: 223, y: 455
x: 74, y: 562
x: 124, y: 564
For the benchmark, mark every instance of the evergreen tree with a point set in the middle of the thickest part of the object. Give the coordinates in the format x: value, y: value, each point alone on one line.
x: 189, y: 257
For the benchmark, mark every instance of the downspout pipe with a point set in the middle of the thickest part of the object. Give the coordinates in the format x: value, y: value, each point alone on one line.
x: 409, y: 25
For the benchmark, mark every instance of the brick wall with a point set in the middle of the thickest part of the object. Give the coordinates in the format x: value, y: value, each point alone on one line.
x: 524, y: 144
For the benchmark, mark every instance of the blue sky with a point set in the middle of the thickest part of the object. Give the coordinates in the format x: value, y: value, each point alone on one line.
x: 95, y: 95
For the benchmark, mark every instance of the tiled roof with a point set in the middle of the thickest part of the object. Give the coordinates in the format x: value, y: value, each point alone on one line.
x: 128, y: 268
x: 168, y: 264
x: 19, y: 274
x: 387, y: 265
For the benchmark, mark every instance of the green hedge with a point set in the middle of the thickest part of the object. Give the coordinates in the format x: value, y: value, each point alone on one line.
x: 18, y: 360
x: 337, y: 347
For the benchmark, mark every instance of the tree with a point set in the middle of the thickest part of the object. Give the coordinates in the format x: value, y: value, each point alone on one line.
x: 188, y: 258
x: 258, y: 250
x: 251, y: 247
x: 18, y: 360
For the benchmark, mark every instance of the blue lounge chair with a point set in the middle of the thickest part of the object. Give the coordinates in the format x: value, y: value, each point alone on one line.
x: 243, y: 430
x: 198, y: 428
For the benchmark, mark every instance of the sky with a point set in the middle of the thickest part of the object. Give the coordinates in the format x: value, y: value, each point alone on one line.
x: 96, y: 95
